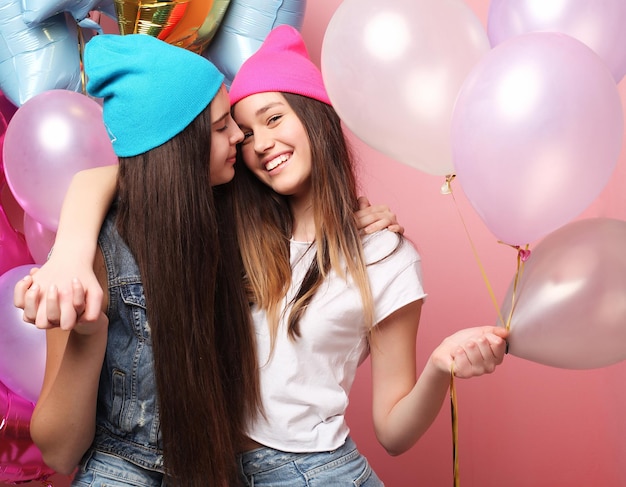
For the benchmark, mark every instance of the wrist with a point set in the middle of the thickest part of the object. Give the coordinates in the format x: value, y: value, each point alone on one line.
x: 73, y: 248
x: 440, y: 364
x: 89, y: 330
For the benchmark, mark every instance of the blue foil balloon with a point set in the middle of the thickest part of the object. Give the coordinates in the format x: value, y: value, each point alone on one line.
x: 35, y: 11
x: 36, y: 58
x: 244, y: 28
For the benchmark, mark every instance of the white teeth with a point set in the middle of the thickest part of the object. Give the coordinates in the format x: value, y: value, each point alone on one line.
x: 274, y: 163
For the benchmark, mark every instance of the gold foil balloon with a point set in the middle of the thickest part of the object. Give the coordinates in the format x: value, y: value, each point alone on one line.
x: 199, y: 24
x: 155, y: 18
x: 190, y: 24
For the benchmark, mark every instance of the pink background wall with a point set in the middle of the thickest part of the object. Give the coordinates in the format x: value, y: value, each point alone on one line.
x: 526, y: 425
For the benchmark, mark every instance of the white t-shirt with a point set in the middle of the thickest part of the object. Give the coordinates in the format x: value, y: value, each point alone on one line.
x: 305, y: 383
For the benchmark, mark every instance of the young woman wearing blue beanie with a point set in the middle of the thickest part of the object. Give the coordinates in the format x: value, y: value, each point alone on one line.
x: 324, y: 296
x: 155, y: 391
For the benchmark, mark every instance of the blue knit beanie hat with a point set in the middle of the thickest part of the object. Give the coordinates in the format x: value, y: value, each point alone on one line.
x: 151, y: 90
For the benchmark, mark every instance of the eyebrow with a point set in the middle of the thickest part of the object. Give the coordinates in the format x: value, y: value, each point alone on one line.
x: 261, y: 111
x: 265, y: 108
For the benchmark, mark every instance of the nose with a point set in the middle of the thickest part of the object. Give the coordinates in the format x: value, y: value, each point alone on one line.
x: 262, y: 141
x: 237, y: 135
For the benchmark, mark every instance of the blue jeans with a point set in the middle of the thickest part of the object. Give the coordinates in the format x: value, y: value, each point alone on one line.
x: 343, y: 467
x: 100, y: 469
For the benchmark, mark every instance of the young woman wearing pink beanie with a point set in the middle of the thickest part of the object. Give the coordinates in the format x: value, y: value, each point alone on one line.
x: 324, y: 296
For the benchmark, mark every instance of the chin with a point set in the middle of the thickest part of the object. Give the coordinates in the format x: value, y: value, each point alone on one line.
x: 224, y: 177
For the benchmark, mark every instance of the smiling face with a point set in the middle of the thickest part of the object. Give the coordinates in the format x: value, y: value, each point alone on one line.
x: 276, y: 146
x: 225, y: 135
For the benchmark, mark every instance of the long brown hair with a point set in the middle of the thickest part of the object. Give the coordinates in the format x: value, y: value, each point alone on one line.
x: 203, y: 344
x: 265, y: 222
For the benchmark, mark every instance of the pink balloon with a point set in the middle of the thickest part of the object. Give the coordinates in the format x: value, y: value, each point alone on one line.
x: 570, y: 309
x: 20, y: 459
x: 22, y: 345
x: 13, y: 248
x: 50, y: 138
x: 597, y: 23
x: 393, y: 71
x: 12, y: 209
x: 7, y: 110
x: 38, y: 238
x: 15, y: 413
x: 536, y: 134
x: 3, y: 128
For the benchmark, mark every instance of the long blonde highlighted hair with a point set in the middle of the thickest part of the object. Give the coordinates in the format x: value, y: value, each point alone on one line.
x: 264, y: 223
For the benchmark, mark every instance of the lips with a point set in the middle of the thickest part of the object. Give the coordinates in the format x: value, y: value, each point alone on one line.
x: 277, y: 161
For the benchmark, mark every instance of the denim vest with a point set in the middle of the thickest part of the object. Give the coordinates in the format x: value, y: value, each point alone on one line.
x: 127, y: 418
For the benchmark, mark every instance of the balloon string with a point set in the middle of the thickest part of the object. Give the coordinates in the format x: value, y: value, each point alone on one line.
x: 455, y: 430
x: 447, y: 189
x: 522, y: 256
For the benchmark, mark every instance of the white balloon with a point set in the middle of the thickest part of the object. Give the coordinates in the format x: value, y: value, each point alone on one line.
x: 393, y: 69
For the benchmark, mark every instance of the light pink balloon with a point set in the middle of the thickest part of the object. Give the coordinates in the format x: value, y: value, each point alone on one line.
x: 570, y: 309
x: 536, y: 134
x: 49, y: 139
x: 38, y: 238
x: 22, y: 345
x: 393, y: 69
x: 597, y: 23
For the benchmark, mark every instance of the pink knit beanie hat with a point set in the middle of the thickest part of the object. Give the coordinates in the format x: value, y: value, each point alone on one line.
x: 281, y: 64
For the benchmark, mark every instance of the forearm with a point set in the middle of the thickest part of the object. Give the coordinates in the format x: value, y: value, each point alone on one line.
x: 63, y: 422
x: 412, y: 415
x: 85, y: 206
x: 403, y: 418
x: 86, y: 203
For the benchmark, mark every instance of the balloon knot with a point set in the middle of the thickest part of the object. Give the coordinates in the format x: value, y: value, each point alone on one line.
x: 446, y: 187
x: 524, y: 254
